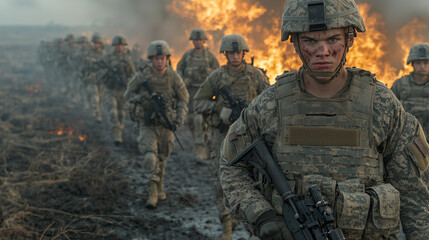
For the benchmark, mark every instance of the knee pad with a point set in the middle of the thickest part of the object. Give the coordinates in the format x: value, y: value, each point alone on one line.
x: 150, y: 161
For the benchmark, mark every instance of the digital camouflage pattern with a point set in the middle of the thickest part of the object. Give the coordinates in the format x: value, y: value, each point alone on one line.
x: 194, y: 67
x: 232, y: 43
x: 115, y: 101
x: 360, y: 202
x: 155, y: 141
x: 414, y: 98
x: 418, y: 52
x: 198, y: 34
x: 246, y: 84
x: 338, y: 14
x: 158, y: 47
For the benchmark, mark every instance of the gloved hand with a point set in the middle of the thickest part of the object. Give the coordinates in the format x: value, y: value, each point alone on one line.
x: 225, y: 114
x: 270, y: 226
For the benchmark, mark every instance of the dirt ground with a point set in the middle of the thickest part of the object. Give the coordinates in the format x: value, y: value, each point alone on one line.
x: 54, y: 185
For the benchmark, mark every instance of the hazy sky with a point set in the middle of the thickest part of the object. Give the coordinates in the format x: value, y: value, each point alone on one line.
x: 98, y: 12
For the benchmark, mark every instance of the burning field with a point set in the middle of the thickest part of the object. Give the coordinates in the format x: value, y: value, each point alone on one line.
x: 61, y: 177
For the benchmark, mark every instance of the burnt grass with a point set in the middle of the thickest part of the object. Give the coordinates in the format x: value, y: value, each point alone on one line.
x: 55, y: 186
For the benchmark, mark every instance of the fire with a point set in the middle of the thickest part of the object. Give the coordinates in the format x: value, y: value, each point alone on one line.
x: 33, y: 89
x: 69, y: 131
x: 261, y: 28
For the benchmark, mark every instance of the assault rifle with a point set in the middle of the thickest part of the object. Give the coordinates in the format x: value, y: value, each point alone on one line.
x: 116, y: 81
x: 157, y: 103
x: 308, y: 217
x: 236, y: 106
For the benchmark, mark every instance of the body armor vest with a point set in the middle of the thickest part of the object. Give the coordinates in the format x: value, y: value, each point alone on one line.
x: 328, y: 137
x: 415, y: 99
x: 241, y: 84
x: 197, y: 67
x: 162, y: 85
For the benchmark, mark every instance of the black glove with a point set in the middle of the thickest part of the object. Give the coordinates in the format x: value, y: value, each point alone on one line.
x: 270, y: 226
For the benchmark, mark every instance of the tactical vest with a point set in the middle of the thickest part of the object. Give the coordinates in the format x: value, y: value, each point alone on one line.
x: 328, y: 137
x: 415, y: 99
x: 242, y: 84
x: 197, y: 67
x: 162, y: 85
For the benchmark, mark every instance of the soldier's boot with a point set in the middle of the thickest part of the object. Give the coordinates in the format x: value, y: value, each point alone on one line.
x: 201, y: 152
x: 152, y: 200
x: 227, y: 228
x: 161, y: 194
x: 117, y: 135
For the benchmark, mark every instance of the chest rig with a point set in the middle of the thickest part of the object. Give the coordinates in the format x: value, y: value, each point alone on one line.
x: 197, y: 67
x: 329, y: 137
x: 415, y: 99
x: 242, y: 84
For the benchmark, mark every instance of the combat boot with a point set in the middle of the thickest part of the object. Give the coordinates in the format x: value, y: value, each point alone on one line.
x: 201, y: 152
x: 227, y: 228
x: 152, y: 200
x: 117, y: 135
x: 161, y: 194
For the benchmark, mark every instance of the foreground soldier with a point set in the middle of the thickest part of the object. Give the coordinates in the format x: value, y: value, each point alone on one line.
x: 194, y: 67
x: 94, y: 89
x: 155, y: 137
x: 118, y: 70
x: 244, y: 83
x: 413, y: 90
x: 335, y: 127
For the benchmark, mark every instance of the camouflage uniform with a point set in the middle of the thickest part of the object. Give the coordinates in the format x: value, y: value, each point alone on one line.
x: 194, y: 67
x: 244, y: 84
x: 367, y: 155
x: 414, y: 96
x: 121, y: 63
x: 155, y: 140
x: 94, y: 89
x: 77, y: 62
x: 65, y: 63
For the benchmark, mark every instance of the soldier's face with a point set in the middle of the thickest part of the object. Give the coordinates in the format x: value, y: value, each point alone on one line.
x: 323, y: 50
x: 119, y: 48
x: 198, y: 44
x: 159, y: 62
x: 421, y: 66
x: 235, y: 58
x: 97, y: 46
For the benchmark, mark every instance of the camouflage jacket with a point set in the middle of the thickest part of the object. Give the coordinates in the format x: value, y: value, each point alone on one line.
x: 415, y: 98
x: 89, y: 68
x: 244, y: 84
x: 170, y: 86
x: 194, y: 67
x: 123, y: 65
x: 396, y: 135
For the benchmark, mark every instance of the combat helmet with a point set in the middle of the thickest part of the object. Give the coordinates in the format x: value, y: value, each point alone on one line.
x: 82, y: 39
x: 232, y: 43
x: 310, y: 15
x: 119, y: 39
x: 418, y: 52
x: 97, y: 39
x: 319, y: 15
x: 198, y: 34
x: 158, y: 47
x: 69, y: 37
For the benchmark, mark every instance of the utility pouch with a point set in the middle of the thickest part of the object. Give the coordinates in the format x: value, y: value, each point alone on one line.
x: 351, y: 208
x: 383, y: 220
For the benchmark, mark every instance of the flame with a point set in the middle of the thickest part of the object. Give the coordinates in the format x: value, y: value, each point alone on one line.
x: 33, y: 89
x: 69, y: 131
x: 261, y: 28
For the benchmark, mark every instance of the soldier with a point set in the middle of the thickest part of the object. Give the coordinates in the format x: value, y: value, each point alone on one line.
x: 331, y: 126
x: 117, y: 71
x: 66, y: 66
x: 245, y: 83
x: 94, y: 89
x: 413, y: 90
x: 155, y: 137
x: 194, y: 67
x: 136, y: 54
x: 77, y: 61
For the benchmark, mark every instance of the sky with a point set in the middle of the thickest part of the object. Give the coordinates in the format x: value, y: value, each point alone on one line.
x: 100, y: 12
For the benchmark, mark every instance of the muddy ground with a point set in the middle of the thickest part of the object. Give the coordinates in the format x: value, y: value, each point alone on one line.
x: 55, y: 185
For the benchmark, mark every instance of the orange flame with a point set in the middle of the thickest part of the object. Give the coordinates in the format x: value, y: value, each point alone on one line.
x: 67, y: 130
x: 261, y: 28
